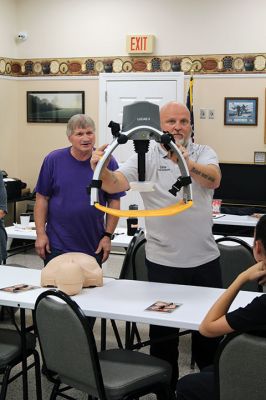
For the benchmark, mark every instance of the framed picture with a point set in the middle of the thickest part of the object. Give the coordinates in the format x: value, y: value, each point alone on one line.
x: 259, y: 157
x: 54, y: 106
x: 241, y: 110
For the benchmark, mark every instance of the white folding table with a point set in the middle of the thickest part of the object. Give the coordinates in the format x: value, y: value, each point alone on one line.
x: 236, y: 220
x: 121, y: 239
x: 120, y: 300
x: 125, y: 300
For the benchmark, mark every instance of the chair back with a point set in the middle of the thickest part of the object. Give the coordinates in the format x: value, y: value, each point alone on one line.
x: 235, y: 257
x: 67, y: 343
x: 139, y: 267
x: 3, y: 244
x: 127, y: 268
x: 240, y: 368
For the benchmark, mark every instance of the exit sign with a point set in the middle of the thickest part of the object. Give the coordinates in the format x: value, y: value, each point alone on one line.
x: 140, y: 44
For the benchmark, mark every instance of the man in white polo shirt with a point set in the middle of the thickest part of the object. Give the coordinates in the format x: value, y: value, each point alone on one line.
x: 181, y: 248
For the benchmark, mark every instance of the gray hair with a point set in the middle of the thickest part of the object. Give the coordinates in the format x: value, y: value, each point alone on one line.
x: 79, y: 121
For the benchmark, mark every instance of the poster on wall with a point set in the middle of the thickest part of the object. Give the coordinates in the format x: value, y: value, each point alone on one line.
x: 241, y: 111
x: 54, y: 106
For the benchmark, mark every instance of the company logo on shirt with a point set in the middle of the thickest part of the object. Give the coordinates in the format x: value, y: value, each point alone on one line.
x: 163, y: 168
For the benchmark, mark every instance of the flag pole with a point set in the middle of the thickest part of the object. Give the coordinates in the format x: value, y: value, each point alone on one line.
x: 190, y: 102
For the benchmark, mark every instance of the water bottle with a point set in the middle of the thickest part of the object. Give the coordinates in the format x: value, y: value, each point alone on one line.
x: 132, y: 223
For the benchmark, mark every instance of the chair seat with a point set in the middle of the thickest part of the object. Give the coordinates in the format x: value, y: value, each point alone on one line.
x: 10, y: 345
x: 125, y: 371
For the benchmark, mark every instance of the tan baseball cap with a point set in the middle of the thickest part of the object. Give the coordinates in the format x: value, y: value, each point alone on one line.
x: 70, y: 272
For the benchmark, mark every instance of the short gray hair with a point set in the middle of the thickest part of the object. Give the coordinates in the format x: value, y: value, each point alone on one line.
x: 79, y: 121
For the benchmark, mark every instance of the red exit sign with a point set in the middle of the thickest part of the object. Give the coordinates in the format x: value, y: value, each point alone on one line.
x: 140, y: 44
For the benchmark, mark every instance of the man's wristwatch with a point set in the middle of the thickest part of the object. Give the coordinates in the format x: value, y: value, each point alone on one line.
x: 110, y: 235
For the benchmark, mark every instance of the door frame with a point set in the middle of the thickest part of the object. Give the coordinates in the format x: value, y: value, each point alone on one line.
x: 104, y: 78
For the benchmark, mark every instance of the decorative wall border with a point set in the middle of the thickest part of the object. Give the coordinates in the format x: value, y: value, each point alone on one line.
x: 92, y: 66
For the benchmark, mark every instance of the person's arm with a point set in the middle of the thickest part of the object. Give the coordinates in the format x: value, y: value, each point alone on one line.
x: 215, y: 323
x: 111, y: 223
x: 206, y: 175
x: 42, y: 245
x: 112, y: 181
x: 2, y: 214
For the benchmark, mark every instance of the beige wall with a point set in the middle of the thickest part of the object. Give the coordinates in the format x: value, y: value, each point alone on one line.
x: 232, y: 143
x: 9, y: 125
x: 8, y: 28
x: 67, y: 28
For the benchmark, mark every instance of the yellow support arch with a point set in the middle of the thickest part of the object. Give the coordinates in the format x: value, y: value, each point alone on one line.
x: 160, y: 212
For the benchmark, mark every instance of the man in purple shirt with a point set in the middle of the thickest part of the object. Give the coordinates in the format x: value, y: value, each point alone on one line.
x: 65, y: 220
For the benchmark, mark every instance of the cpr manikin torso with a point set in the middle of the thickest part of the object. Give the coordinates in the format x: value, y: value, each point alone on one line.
x: 70, y: 272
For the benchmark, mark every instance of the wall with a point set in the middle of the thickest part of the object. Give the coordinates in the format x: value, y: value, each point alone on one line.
x: 232, y: 143
x: 9, y: 126
x: 8, y: 28
x: 66, y: 28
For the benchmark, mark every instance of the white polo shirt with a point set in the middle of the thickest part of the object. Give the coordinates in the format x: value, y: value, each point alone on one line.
x: 183, y: 240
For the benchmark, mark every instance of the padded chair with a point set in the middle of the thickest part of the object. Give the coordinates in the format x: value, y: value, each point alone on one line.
x: 236, y: 257
x: 139, y: 269
x: 3, y: 245
x: 30, y: 210
x: 11, y: 356
x: 127, y: 268
x: 240, y: 368
x: 71, y: 359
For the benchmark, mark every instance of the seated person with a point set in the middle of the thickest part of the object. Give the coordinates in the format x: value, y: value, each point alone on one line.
x: 219, y: 321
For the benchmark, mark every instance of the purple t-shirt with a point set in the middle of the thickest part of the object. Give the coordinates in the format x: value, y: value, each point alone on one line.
x: 72, y: 223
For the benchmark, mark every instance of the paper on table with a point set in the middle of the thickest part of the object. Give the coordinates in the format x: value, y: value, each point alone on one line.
x: 163, y: 306
x: 215, y: 216
x: 19, y: 287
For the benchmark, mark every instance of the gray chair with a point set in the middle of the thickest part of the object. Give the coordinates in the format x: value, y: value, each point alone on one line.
x: 139, y: 268
x: 11, y: 356
x: 71, y: 359
x: 240, y: 368
x: 127, y: 268
x: 235, y: 259
x: 3, y: 244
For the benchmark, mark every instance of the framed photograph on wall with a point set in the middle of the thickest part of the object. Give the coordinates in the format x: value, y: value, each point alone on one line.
x: 259, y: 157
x: 241, y: 111
x: 54, y: 106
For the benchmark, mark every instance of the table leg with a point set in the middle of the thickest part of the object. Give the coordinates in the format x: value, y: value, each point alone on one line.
x: 15, y: 211
x: 103, y: 334
x: 24, y: 353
